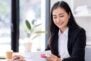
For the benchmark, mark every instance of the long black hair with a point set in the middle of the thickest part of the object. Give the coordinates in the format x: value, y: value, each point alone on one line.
x: 71, y: 22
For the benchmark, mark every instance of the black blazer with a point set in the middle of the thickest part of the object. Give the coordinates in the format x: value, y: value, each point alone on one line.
x: 76, y: 45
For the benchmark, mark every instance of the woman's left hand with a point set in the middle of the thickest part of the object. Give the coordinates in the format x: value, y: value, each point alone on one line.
x: 17, y: 58
x: 53, y: 58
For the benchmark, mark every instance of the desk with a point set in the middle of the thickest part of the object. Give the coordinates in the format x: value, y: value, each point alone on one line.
x: 34, y: 56
x: 2, y: 59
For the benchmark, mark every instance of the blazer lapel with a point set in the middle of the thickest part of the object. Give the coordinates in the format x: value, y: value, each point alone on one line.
x: 69, y: 40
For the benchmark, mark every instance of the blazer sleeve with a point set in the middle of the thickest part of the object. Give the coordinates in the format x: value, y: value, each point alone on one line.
x: 78, y: 50
x: 47, y: 48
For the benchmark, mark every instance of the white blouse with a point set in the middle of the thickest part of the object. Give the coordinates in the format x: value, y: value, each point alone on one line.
x: 62, y: 44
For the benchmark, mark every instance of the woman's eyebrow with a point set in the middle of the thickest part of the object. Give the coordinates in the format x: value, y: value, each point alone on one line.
x: 54, y: 15
x: 59, y: 14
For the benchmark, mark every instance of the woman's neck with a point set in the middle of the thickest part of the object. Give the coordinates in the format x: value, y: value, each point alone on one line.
x: 63, y: 29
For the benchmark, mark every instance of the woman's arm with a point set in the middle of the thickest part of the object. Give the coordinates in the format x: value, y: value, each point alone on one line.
x: 47, y: 48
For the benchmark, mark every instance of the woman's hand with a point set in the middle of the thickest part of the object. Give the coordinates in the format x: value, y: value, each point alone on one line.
x: 17, y: 58
x: 53, y: 58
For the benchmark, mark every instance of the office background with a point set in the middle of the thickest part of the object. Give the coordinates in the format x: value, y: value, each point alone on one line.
x: 13, y: 13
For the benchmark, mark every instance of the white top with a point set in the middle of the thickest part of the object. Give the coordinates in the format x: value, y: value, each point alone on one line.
x: 63, y: 41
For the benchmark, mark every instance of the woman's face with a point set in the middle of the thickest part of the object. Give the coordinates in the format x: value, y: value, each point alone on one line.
x: 60, y: 17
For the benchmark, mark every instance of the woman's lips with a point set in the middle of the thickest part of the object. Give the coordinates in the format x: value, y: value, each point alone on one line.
x: 61, y: 23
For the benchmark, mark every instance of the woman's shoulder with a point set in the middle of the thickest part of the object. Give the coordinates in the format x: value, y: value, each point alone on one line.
x: 76, y: 30
x: 80, y: 29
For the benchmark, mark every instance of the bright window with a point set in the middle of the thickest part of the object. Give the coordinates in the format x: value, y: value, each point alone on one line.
x: 34, y: 12
x: 5, y: 26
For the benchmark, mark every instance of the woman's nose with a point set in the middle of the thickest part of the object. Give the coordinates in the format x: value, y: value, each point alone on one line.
x: 58, y: 19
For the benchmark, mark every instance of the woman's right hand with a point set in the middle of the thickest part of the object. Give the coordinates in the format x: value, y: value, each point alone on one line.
x: 53, y: 58
x: 17, y: 58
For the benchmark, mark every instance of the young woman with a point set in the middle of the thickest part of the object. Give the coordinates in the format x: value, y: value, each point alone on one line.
x: 67, y: 39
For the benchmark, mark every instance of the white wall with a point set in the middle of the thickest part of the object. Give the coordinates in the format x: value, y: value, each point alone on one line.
x: 85, y: 22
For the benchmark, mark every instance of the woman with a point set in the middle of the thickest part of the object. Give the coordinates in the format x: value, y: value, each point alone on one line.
x: 67, y: 39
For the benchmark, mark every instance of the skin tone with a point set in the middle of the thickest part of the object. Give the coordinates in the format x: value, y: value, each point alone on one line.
x: 53, y: 58
x: 60, y: 19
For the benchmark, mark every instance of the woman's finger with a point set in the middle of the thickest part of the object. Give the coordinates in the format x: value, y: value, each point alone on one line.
x: 50, y: 58
x: 18, y: 58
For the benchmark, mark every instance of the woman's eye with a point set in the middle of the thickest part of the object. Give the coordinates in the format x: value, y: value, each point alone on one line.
x: 54, y: 17
x: 62, y: 16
